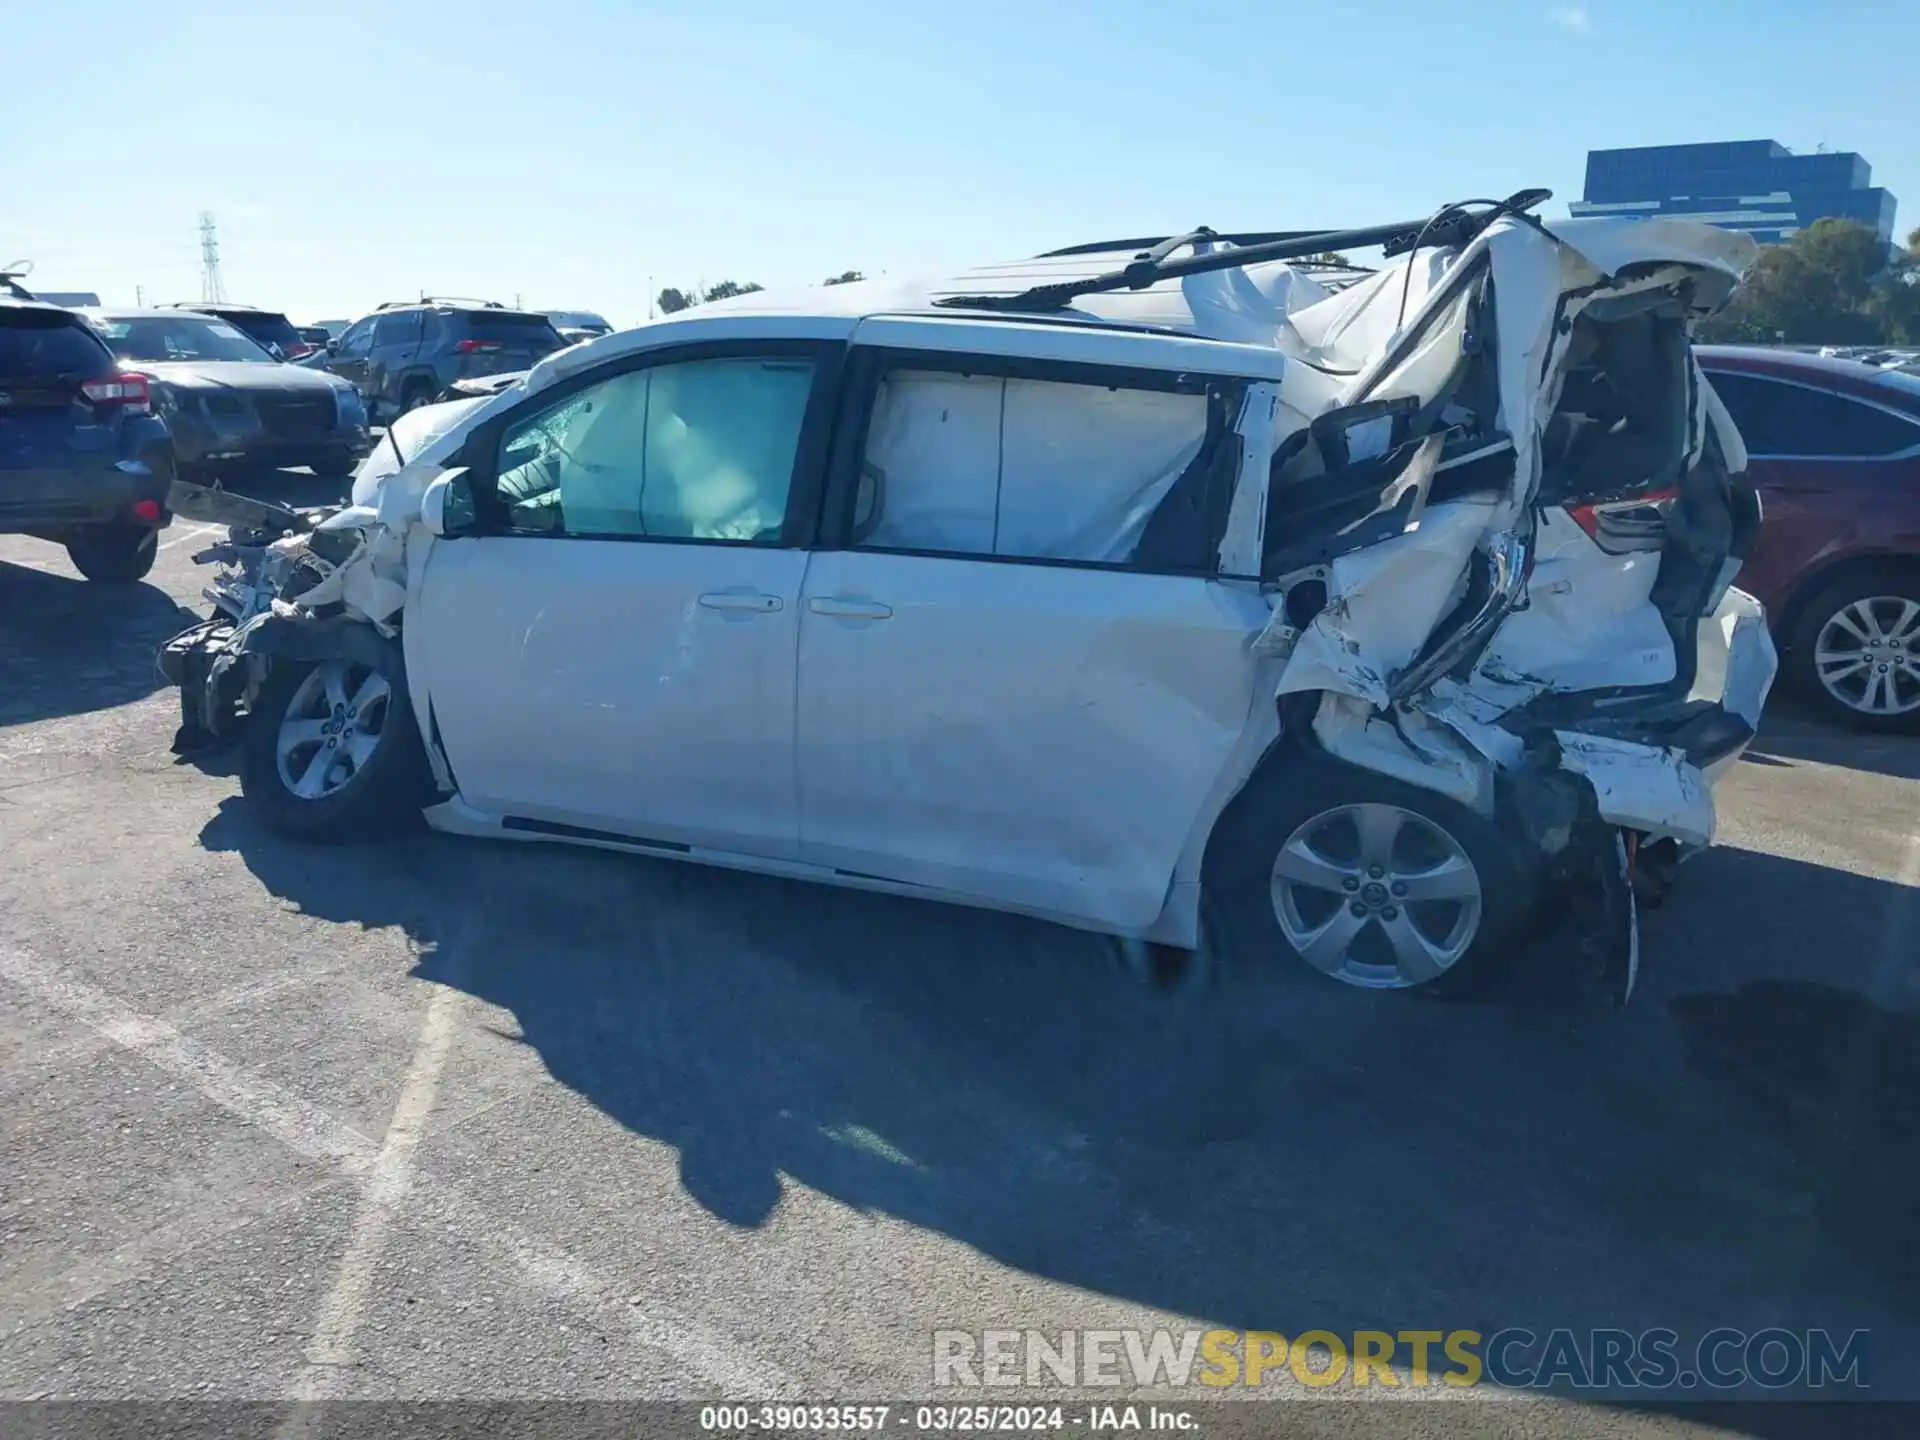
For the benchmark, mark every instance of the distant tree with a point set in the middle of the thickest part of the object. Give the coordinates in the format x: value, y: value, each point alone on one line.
x: 1831, y: 284
x: 672, y: 301
x: 845, y: 277
x: 727, y: 289
x: 1328, y: 257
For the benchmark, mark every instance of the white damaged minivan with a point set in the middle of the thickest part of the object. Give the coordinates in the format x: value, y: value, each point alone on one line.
x: 1184, y: 589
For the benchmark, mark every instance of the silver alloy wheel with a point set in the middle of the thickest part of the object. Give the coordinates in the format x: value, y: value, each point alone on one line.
x: 1376, y: 896
x: 331, y: 729
x: 1867, y: 655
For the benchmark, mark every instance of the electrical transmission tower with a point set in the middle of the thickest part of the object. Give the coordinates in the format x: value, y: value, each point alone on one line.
x: 209, y: 260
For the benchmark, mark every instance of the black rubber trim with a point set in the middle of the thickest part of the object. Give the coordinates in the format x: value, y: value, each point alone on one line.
x: 581, y: 832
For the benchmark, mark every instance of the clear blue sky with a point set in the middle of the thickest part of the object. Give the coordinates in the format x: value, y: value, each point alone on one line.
x: 577, y: 151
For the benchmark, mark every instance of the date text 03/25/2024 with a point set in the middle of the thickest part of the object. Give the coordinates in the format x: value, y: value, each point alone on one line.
x: 940, y: 1419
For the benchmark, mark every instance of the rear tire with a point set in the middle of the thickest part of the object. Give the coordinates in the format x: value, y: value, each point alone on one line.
x: 416, y: 395
x: 1377, y: 884
x: 1832, y: 657
x: 353, y: 790
x: 114, y: 554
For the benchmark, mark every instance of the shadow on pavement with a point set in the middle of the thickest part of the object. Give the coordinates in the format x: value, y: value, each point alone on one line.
x: 1278, y: 1153
x: 1793, y: 731
x: 69, y: 646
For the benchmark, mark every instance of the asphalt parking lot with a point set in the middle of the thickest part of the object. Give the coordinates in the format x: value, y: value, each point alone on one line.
x: 440, y: 1119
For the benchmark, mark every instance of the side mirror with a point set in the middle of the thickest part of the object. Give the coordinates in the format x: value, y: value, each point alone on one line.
x: 446, y: 507
x: 333, y: 347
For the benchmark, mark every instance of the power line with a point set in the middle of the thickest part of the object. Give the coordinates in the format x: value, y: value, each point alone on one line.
x: 210, y: 288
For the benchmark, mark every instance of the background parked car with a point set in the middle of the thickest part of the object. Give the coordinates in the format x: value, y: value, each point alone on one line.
x: 406, y: 355
x: 577, y: 325
x: 316, y: 336
x: 229, y: 402
x: 1834, y: 449
x: 273, y: 330
x: 84, y: 462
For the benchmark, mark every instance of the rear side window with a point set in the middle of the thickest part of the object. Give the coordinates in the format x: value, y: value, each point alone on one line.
x: 36, y: 345
x: 401, y: 328
x: 1011, y: 468
x: 1777, y: 418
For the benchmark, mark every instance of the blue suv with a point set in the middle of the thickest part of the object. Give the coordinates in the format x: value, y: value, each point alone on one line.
x: 408, y: 354
x: 84, y: 461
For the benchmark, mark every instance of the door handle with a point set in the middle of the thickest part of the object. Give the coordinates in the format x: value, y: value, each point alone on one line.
x: 843, y: 609
x: 734, y: 600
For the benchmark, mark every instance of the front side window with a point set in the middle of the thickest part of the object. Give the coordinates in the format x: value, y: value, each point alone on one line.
x: 358, y: 339
x: 1015, y: 468
x: 1777, y: 418
x: 700, y: 450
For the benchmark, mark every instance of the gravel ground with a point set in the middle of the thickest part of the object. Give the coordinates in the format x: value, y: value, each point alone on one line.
x: 445, y: 1120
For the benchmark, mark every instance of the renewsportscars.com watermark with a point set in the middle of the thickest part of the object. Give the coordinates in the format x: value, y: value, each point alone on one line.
x: 1514, y: 1358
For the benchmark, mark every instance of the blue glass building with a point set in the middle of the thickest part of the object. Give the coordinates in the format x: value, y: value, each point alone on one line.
x: 1758, y: 186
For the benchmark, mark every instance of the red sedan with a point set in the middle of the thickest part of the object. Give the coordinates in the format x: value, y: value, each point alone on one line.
x: 1834, y: 450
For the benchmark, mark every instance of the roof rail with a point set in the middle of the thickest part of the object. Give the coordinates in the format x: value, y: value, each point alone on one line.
x: 1453, y: 224
x: 466, y: 301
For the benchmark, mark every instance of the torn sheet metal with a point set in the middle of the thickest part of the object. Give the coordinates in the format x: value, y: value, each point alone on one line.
x: 1641, y: 787
x: 221, y: 507
x: 1407, y: 746
x: 1383, y: 603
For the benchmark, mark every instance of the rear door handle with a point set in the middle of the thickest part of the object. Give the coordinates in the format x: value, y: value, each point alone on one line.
x: 841, y: 609
x: 755, y: 604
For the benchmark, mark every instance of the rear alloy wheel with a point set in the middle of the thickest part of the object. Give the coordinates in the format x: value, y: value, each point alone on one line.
x: 114, y: 554
x: 1376, y: 896
x: 1858, y: 649
x: 333, y: 752
x: 1370, y: 881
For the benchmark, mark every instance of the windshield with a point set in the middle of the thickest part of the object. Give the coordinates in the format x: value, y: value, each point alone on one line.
x: 178, y: 337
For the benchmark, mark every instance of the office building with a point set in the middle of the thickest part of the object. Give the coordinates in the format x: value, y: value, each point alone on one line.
x: 1758, y: 186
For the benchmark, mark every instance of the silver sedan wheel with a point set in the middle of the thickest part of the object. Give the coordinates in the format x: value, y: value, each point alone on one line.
x: 1867, y: 655
x: 331, y: 728
x: 1376, y: 896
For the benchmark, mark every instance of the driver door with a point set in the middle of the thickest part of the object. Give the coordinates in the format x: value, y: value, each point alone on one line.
x: 613, y: 653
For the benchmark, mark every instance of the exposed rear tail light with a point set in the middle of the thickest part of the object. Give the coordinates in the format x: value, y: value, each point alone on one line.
x: 128, y: 389
x: 1619, y: 516
x: 468, y: 347
x: 147, y: 512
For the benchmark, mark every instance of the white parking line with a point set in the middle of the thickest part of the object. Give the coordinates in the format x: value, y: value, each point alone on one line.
x: 387, y: 1185
x: 195, y: 533
x: 706, y: 1355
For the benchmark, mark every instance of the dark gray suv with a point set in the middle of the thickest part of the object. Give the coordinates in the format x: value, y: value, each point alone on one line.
x: 405, y: 355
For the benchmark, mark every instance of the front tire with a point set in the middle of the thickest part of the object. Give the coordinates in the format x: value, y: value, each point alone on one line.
x: 114, y: 554
x: 1374, y: 883
x: 1855, y: 649
x: 333, y: 752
